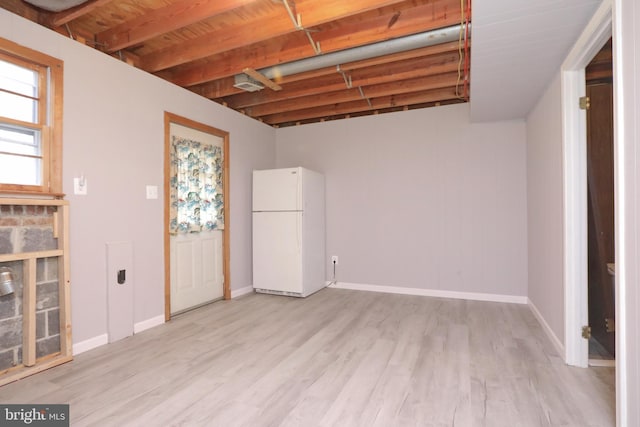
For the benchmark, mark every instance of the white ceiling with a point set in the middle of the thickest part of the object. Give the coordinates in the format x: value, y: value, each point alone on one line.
x: 517, y: 47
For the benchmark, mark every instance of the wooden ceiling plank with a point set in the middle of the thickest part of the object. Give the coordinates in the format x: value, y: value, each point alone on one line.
x: 313, y: 12
x: 25, y: 10
x: 217, y: 89
x: 383, y: 89
x: 359, y: 106
x: 412, y: 22
x: 66, y: 16
x: 163, y: 20
x: 265, y: 56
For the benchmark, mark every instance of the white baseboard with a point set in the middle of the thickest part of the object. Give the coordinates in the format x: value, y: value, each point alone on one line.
x: 602, y: 363
x: 235, y: 293
x: 90, y: 344
x: 148, y: 324
x: 547, y: 329
x: 513, y: 299
x: 103, y: 339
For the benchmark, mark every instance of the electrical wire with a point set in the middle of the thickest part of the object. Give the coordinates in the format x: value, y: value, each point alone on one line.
x: 460, y: 50
x: 461, y: 56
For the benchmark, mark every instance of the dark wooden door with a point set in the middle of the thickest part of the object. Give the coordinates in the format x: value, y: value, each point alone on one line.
x: 601, y: 214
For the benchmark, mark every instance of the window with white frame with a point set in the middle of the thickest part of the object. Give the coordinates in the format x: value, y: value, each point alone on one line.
x: 30, y: 121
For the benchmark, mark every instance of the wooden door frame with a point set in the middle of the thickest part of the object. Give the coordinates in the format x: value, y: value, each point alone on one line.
x: 183, y: 121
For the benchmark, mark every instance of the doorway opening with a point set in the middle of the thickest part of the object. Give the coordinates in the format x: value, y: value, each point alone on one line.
x: 600, y: 208
x: 196, y: 218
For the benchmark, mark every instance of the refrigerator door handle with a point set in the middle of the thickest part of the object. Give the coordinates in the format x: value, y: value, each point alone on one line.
x: 298, y: 231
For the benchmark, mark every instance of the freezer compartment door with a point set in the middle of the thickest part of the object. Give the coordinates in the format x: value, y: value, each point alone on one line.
x: 277, y: 251
x: 277, y: 190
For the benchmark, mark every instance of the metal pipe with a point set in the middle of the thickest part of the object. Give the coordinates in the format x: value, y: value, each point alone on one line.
x: 388, y: 47
x: 7, y: 281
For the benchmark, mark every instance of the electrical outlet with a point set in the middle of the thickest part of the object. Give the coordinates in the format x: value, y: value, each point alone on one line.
x: 334, y: 259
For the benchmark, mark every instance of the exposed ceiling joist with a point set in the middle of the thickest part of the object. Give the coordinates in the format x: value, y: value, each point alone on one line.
x: 206, y: 45
x: 159, y: 21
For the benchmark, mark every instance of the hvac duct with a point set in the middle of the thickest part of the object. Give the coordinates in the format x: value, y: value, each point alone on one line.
x: 55, y: 5
x: 402, y: 44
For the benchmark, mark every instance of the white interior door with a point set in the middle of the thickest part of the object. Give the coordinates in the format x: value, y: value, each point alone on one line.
x: 196, y: 269
x: 196, y: 259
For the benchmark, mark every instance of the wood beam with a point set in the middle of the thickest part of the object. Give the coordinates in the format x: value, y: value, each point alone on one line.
x: 268, y: 54
x: 163, y: 20
x: 217, y: 88
x: 362, y: 105
x: 23, y: 9
x: 353, y: 94
x: 313, y: 12
x: 262, y: 79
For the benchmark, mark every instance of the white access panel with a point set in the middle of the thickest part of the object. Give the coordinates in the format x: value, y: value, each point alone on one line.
x: 277, y: 251
x: 277, y: 190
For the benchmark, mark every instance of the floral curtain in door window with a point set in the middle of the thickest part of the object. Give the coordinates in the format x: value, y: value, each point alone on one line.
x: 196, y: 186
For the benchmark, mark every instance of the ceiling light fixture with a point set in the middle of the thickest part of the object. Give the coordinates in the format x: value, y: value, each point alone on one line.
x: 246, y: 83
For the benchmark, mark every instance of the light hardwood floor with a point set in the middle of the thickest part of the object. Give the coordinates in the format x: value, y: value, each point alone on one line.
x: 336, y: 358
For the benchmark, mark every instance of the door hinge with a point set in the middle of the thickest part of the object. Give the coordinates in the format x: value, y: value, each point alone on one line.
x: 610, y: 324
x: 585, y: 102
x: 586, y: 332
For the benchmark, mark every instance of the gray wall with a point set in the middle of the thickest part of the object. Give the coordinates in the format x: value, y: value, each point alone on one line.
x: 545, y: 205
x: 114, y: 134
x: 421, y: 199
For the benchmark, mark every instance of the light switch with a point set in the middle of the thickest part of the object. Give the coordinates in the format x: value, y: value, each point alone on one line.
x: 152, y: 191
x: 80, y: 186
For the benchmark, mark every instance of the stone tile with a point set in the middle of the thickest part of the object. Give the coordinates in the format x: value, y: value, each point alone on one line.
x: 41, y: 274
x: 11, y: 332
x: 6, y: 245
x: 6, y: 359
x: 47, y: 269
x: 51, y: 268
x: 41, y: 324
x: 47, y: 346
x: 38, y: 239
x: 46, y: 295
x: 8, y: 306
x: 53, y: 322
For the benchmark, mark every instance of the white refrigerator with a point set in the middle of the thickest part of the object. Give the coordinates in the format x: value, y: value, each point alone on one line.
x: 288, y: 231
